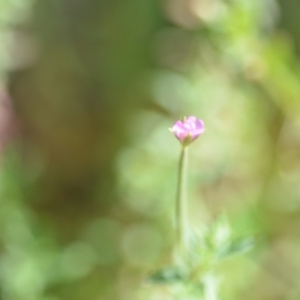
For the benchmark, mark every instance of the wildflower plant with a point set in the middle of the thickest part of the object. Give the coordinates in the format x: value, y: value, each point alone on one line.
x: 196, y: 252
x: 186, y: 131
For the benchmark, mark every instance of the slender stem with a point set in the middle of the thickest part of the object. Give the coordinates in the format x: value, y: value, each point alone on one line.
x: 181, y: 202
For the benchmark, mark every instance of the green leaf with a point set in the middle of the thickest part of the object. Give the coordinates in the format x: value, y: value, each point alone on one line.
x: 235, y: 247
x: 167, y: 275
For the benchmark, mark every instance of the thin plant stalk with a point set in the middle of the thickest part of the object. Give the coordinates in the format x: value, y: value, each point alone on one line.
x: 181, y: 202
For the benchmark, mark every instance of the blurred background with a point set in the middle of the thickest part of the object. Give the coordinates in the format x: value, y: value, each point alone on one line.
x: 88, y: 168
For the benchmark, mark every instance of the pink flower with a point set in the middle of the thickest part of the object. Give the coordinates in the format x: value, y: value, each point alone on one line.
x: 188, y: 129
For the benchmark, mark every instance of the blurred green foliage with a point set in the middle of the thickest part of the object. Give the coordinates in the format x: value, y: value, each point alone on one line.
x: 87, y: 189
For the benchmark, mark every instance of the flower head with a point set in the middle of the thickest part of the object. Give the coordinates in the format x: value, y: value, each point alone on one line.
x: 188, y: 129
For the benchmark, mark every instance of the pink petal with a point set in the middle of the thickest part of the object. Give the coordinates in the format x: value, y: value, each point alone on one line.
x: 191, y: 119
x: 178, y: 126
x: 181, y: 135
x: 199, y: 126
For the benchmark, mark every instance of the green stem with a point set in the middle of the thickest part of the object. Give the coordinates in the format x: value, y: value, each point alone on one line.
x: 181, y: 202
